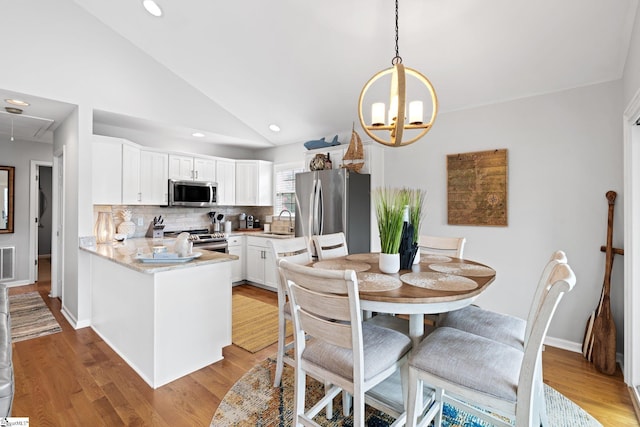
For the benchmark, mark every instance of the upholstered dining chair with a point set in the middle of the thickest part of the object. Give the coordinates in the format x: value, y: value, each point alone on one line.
x: 483, y: 376
x: 341, y: 350
x: 452, y: 246
x: 295, y: 250
x: 329, y: 246
x: 504, y: 328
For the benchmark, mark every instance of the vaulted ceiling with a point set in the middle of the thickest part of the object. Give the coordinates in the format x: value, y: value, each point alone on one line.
x: 302, y: 64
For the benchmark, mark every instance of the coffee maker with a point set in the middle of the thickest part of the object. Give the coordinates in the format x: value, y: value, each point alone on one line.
x: 250, y: 221
x: 243, y: 220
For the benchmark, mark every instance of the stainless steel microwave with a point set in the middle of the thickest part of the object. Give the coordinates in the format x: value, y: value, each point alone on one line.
x: 197, y: 194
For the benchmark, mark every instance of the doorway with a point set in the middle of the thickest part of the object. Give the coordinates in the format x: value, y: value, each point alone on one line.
x: 41, y: 197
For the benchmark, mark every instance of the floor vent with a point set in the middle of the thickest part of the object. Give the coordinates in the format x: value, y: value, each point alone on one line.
x: 7, y: 256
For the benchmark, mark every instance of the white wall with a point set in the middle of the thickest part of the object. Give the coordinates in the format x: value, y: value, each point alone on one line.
x: 19, y: 154
x: 564, y: 153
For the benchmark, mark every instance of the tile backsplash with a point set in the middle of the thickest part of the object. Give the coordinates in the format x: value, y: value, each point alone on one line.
x: 177, y: 219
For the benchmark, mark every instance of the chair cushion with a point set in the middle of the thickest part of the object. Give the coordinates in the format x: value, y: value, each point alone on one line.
x: 471, y: 361
x: 382, y: 348
x: 499, y: 327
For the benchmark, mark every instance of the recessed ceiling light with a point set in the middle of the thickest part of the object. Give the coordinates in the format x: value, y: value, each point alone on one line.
x: 17, y: 102
x: 198, y: 134
x: 152, y: 7
x: 274, y: 127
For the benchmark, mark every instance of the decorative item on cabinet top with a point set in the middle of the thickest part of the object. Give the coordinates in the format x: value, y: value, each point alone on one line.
x: 321, y: 143
x: 354, y: 157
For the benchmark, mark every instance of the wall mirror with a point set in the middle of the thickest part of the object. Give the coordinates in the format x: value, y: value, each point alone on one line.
x: 6, y: 199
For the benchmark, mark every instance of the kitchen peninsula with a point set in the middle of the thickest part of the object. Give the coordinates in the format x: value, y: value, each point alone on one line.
x: 165, y: 320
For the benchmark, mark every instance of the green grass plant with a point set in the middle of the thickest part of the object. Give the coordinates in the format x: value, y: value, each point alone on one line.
x: 389, y: 205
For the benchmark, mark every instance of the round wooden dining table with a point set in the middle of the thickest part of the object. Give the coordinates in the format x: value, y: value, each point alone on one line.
x: 436, y: 284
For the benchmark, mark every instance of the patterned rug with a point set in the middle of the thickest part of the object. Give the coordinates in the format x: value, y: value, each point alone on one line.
x: 254, y: 323
x: 253, y: 401
x: 30, y: 317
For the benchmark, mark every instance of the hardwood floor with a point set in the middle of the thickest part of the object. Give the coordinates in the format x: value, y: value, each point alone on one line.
x: 74, y: 379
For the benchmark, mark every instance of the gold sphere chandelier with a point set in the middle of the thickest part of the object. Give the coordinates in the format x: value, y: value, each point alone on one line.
x: 394, y: 128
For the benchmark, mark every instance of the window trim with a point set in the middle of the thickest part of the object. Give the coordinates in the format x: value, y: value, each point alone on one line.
x: 279, y: 167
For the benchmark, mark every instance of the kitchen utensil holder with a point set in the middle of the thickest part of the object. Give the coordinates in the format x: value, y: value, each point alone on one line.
x: 155, y: 231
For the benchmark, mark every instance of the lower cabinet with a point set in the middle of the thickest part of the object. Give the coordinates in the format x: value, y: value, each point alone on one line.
x: 261, y: 267
x: 236, y: 247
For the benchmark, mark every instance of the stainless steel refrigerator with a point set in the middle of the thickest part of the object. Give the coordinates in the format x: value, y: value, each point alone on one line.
x: 334, y: 200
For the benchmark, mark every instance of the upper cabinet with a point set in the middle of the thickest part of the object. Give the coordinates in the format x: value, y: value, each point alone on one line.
x: 226, y: 179
x: 125, y: 173
x: 154, y: 178
x: 254, y: 183
x: 131, y: 175
x: 190, y: 168
x: 106, y: 170
x: 145, y: 176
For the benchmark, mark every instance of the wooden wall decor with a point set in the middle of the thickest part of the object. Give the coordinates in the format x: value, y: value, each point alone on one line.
x: 477, y: 188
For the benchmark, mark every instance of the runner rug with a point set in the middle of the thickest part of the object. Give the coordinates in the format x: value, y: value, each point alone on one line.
x: 253, y: 401
x: 30, y: 317
x: 254, y: 323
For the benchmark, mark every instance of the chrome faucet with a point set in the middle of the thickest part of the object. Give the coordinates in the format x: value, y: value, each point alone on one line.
x: 290, y: 218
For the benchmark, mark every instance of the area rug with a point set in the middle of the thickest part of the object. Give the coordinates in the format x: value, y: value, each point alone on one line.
x: 254, y: 324
x: 253, y: 401
x: 30, y: 317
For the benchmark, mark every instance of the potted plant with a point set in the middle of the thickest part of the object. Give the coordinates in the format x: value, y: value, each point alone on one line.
x: 390, y: 205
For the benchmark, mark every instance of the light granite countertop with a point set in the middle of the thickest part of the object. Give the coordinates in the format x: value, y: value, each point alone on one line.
x: 126, y: 253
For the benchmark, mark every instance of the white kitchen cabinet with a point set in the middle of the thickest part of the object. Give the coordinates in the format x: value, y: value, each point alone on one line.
x: 130, y: 175
x: 254, y: 183
x: 154, y: 186
x: 190, y: 168
x: 204, y: 169
x: 226, y: 179
x: 180, y: 167
x: 106, y: 170
x: 144, y: 176
x: 237, y: 247
x: 260, y: 265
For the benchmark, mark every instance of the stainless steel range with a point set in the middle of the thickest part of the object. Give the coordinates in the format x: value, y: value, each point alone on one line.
x: 204, y: 240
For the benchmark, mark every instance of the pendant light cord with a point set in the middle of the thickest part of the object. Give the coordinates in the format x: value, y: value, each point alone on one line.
x: 396, y: 59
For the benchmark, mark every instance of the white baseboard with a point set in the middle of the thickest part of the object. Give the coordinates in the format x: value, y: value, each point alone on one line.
x: 563, y: 344
x: 18, y: 283
x: 576, y: 348
x: 73, y: 321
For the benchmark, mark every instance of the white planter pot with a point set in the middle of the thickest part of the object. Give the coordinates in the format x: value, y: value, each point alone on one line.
x: 389, y: 263
x: 416, y: 260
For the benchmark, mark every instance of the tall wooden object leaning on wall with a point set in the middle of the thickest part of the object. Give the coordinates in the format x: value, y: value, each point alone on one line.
x: 599, y: 345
